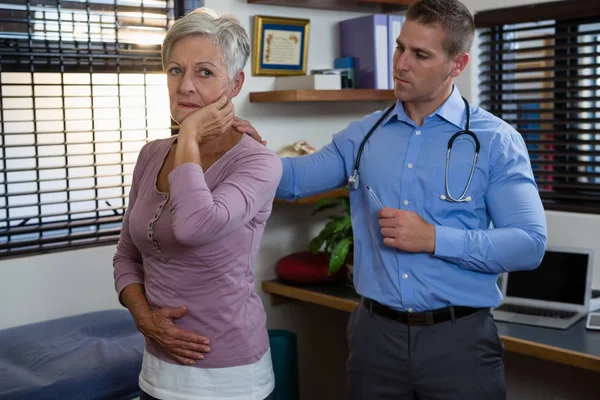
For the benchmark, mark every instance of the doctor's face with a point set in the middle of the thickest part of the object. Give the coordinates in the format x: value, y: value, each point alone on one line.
x: 197, y: 76
x: 422, y: 70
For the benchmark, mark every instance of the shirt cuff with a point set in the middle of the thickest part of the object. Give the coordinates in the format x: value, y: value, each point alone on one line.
x: 449, y: 242
x: 127, y: 279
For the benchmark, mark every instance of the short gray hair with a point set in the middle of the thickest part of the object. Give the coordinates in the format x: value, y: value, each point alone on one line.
x: 224, y: 30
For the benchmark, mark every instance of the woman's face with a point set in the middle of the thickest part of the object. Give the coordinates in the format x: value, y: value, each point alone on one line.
x: 197, y: 76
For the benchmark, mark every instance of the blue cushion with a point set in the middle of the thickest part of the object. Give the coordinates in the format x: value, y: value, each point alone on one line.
x: 89, y: 356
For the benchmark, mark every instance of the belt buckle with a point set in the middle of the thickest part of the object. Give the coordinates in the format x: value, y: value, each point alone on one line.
x: 425, y: 318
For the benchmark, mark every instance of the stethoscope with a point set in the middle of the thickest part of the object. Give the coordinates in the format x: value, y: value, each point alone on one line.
x: 354, y: 179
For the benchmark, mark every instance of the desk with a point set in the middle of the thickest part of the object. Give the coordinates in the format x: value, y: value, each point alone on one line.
x: 575, y: 346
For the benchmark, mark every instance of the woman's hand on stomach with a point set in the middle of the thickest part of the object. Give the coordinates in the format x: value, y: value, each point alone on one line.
x: 184, y: 346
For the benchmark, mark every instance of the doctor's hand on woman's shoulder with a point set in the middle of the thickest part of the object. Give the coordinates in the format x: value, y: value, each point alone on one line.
x: 183, y: 346
x: 246, y: 127
x: 208, y: 122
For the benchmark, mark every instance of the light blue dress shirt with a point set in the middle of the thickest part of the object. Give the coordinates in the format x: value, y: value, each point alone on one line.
x: 405, y: 164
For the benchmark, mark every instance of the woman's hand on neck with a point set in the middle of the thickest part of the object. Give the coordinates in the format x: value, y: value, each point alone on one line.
x: 200, y: 127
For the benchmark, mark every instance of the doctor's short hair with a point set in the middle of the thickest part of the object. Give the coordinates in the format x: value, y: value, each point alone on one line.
x: 453, y: 16
x: 225, y: 31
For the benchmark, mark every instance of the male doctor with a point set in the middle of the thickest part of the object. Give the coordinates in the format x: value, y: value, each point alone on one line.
x: 426, y: 264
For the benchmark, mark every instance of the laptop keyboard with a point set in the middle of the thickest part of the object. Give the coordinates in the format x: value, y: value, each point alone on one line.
x: 539, y: 312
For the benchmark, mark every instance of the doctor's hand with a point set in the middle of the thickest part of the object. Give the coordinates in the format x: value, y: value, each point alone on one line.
x: 406, y: 231
x: 246, y: 127
x: 184, y: 346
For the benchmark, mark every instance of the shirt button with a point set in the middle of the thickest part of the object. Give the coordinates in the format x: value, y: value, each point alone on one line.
x: 404, y: 276
x: 405, y: 202
x: 410, y: 310
x: 410, y: 165
x: 418, y: 133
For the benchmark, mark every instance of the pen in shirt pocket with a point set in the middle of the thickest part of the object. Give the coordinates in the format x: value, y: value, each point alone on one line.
x: 374, y: 196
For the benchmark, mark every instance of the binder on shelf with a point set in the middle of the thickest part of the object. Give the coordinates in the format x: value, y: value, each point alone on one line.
x: 366, y: 39
x: 394, y: 26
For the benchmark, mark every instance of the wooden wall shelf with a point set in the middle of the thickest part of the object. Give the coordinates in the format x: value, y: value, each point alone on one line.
x: 575, y: 347
x: 370, y: 6
x: 315, y: 198
x: 279, y: 96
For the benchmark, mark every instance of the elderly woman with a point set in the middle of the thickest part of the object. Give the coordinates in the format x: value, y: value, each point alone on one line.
x: 198, y: 205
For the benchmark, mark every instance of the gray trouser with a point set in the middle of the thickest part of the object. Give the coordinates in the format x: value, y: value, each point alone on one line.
x: 453, y: 360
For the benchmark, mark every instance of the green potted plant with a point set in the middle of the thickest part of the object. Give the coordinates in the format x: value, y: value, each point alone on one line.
x: 335, y: 238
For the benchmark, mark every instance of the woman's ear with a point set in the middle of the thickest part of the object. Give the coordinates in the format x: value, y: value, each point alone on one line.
x: 238, y: 82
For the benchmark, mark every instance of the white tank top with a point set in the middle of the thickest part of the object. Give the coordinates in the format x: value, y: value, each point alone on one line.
x: 167, y: 381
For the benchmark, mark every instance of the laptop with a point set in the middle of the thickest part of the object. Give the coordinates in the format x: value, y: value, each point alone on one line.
x: 555, y: 295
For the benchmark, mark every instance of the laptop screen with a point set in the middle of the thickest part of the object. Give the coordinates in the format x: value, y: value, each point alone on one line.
x: 561, y: 277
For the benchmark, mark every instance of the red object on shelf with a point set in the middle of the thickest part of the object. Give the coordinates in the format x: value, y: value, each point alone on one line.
x: 307, y: 267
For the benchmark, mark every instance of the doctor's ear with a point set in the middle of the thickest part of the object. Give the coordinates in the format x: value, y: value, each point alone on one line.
x: 460, y: 63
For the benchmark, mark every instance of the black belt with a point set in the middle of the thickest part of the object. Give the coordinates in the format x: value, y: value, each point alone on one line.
x: 419, y: 318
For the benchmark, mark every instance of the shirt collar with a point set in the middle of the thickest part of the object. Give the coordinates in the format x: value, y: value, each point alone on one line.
x: 398, y: 113
x: 452, y: 110
x: 397, y: 110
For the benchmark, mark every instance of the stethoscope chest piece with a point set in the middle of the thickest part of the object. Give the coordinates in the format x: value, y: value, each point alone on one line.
x: 354, y: 180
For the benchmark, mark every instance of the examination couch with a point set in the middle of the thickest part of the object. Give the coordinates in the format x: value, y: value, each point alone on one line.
x: 89, y: 356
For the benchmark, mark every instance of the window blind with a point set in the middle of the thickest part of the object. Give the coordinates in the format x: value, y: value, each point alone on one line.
x: 540, y: 72
x: 81, y: 91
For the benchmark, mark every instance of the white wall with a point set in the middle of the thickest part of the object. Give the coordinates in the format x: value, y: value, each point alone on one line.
x: 54, y: 285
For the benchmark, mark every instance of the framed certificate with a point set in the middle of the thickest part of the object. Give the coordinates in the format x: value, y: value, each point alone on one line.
x: 280, y: 46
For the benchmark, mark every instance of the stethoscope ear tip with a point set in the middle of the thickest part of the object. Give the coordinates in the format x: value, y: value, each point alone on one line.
x: 459, y: 200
